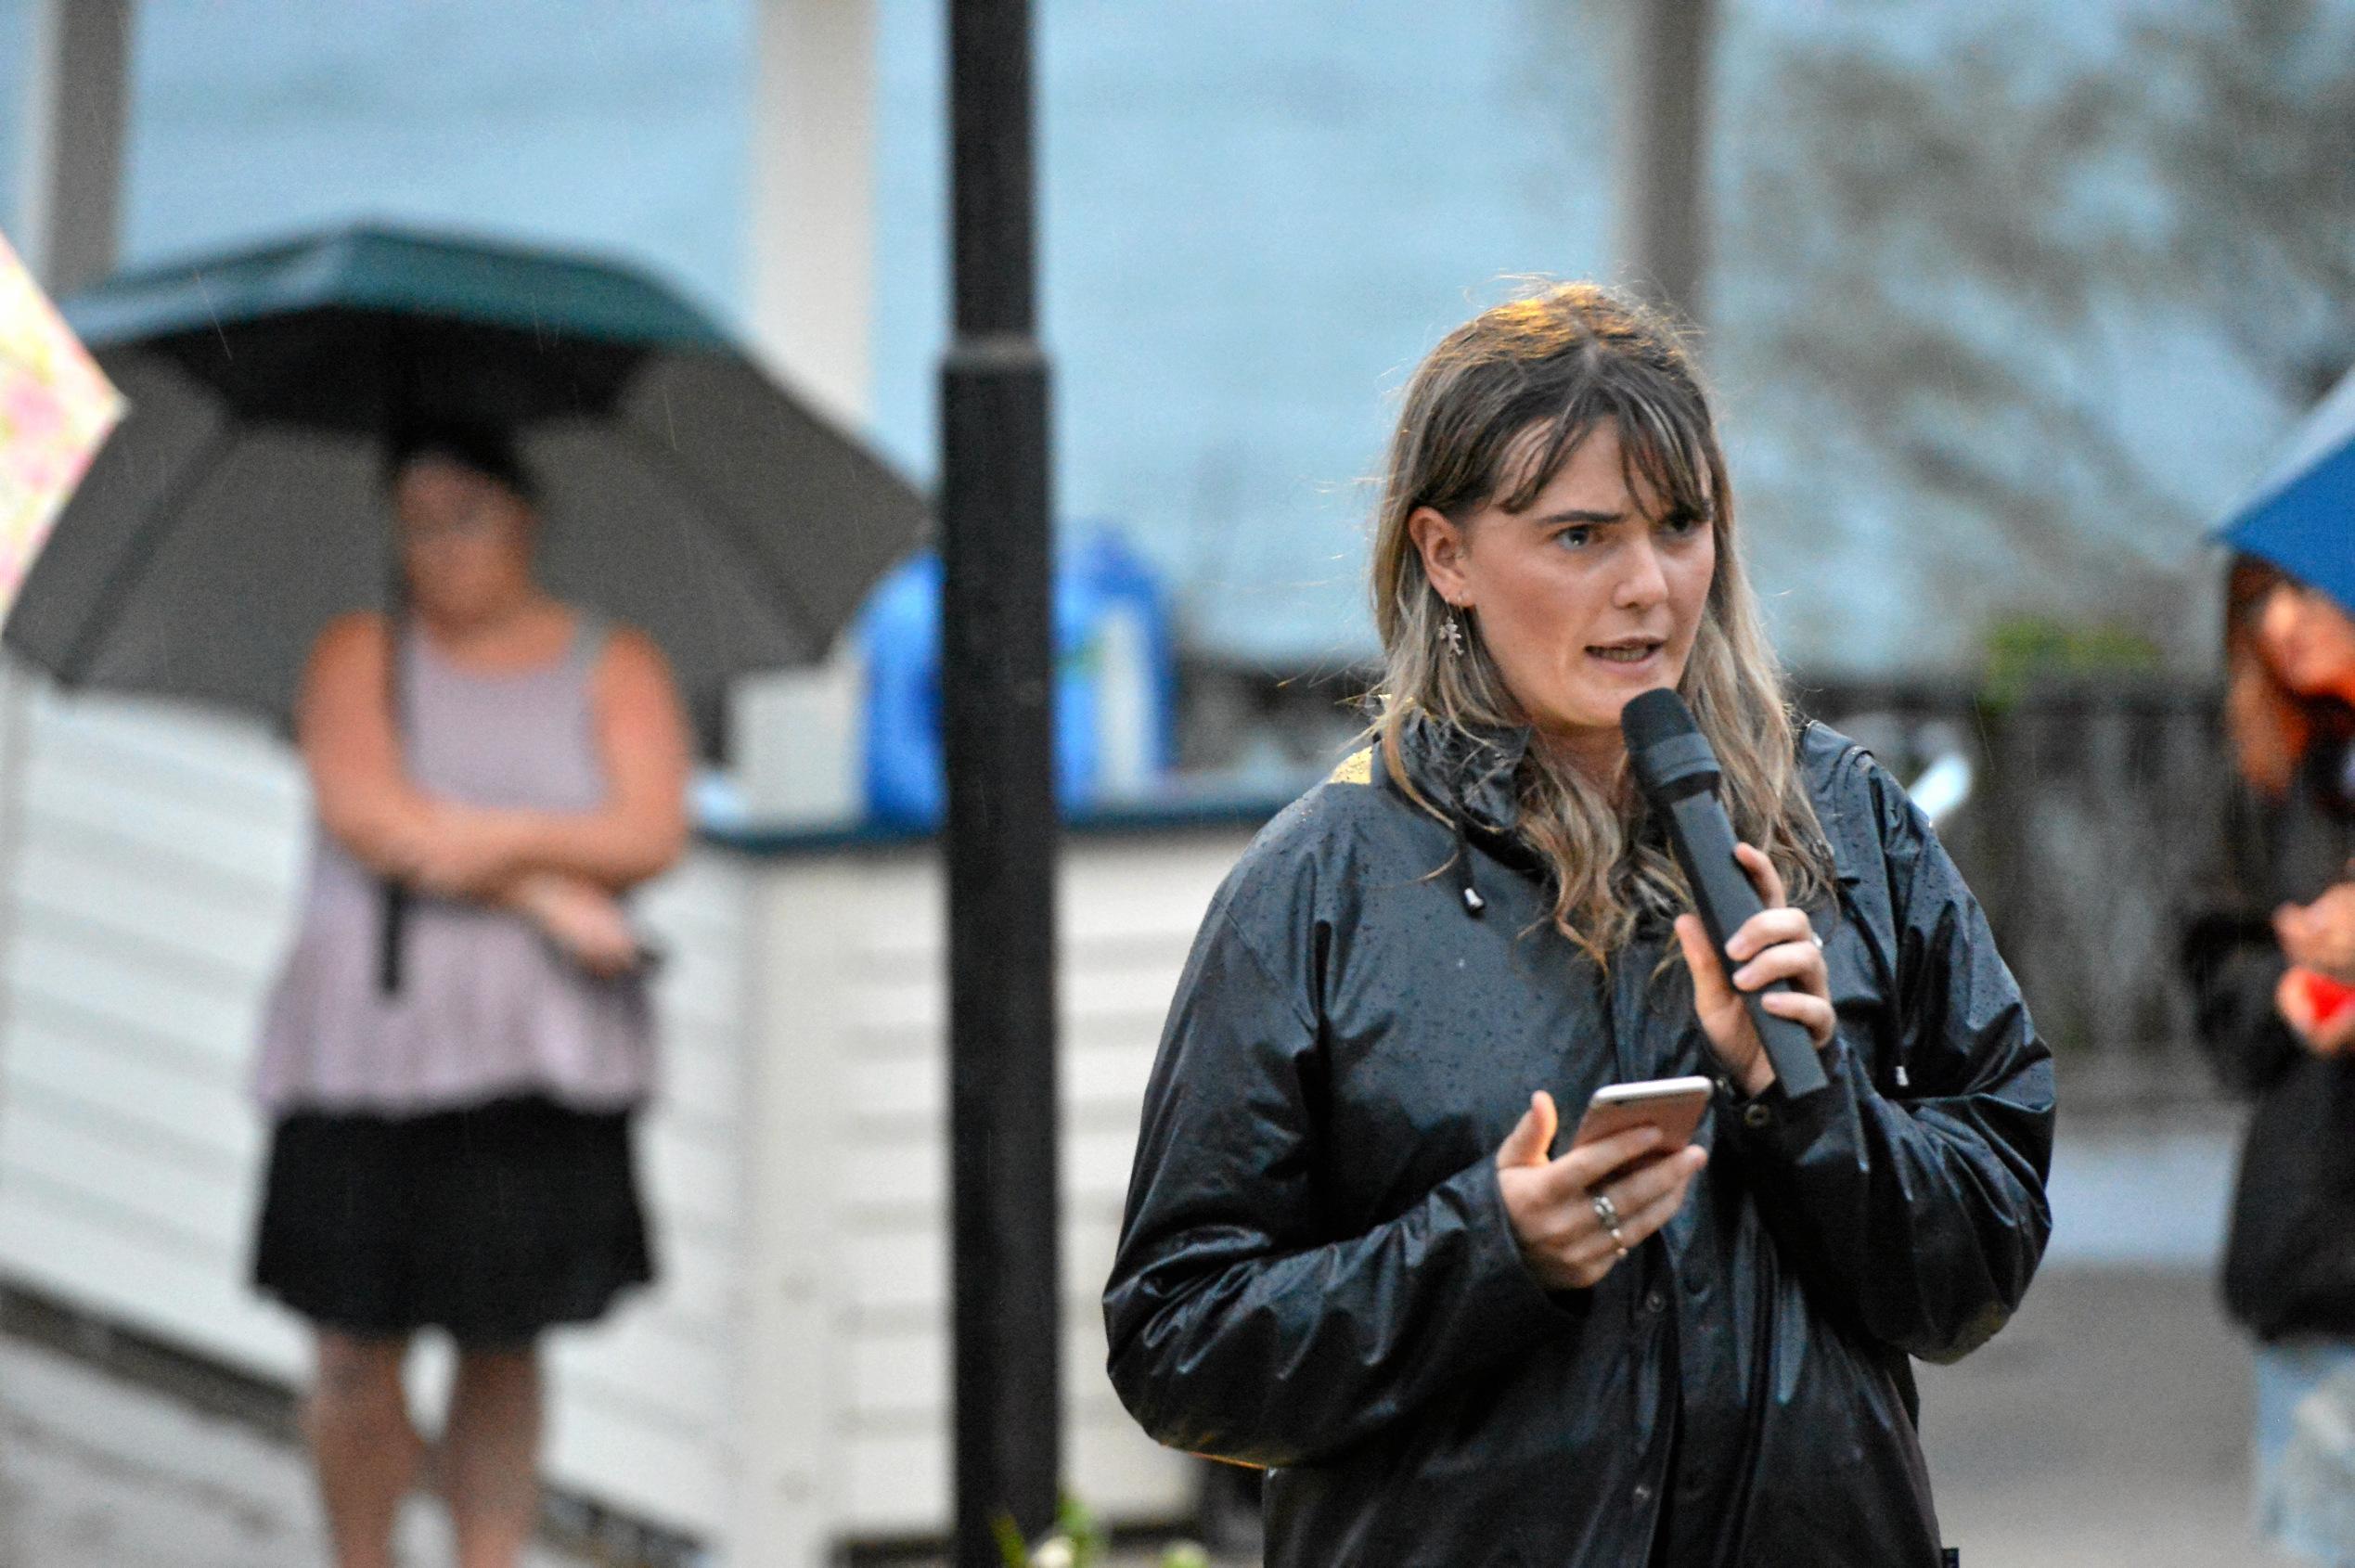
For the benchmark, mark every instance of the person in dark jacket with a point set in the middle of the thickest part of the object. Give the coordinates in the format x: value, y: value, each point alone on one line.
x: 2289, y: 1263
x: 1354, y: 1251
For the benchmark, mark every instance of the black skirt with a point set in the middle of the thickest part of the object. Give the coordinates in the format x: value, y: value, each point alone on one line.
x: 494, y: 1222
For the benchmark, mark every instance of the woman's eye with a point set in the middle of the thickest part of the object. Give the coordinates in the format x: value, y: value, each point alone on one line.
x: 1681, y: 524
x: 1575, y: 538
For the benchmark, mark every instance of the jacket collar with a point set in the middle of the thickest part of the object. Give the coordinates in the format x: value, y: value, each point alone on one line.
x: 1468, y: 771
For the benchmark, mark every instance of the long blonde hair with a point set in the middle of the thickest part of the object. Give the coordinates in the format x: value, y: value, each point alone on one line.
x: 1491, y: 415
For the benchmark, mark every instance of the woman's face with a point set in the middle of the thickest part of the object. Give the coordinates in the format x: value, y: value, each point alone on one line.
x: 2309, y: 641
x: 466, y: 541
x: 1583, y: 599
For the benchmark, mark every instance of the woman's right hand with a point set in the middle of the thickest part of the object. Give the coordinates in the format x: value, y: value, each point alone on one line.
x: 581, y: 919
x: 1550, y: 1201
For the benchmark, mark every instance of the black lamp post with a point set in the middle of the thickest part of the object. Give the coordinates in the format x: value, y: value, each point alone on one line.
x: 996, y: 700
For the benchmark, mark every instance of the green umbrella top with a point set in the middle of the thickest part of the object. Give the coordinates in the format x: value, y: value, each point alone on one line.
x: 370, y: 268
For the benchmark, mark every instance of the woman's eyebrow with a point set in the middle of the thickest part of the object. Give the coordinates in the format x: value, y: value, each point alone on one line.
x: 1575, y: 515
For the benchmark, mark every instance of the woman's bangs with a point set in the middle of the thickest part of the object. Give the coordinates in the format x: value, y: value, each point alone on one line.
x: 1658, y: 446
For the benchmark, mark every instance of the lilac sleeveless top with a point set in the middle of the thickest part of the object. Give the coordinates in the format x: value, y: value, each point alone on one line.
x: 488, y: 1007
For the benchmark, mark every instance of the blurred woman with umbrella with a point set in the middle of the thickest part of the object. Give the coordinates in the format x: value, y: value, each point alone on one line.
x: 454, y: 1153
x: 2270, y: 970
x: 460, y: 1035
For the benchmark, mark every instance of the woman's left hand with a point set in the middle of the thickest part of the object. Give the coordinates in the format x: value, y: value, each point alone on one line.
x: 1775, y: 943
x: 2320, y: 935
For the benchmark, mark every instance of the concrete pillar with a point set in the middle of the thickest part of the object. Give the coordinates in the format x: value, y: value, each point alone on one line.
x: 813, y: 207
x: 813, y: 247
x: 69, y: 209
x: 813, y: 252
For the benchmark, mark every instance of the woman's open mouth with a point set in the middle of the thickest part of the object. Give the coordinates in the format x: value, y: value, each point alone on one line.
x: 1627, y: 653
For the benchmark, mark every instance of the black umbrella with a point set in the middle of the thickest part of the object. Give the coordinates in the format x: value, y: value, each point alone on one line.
x: 241, y: 503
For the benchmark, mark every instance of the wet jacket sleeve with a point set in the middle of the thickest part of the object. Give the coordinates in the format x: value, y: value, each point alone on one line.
x: 1920, y: 1217
x: 1239, y: 1325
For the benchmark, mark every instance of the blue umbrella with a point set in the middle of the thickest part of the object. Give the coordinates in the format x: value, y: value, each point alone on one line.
x: 2302, y: 517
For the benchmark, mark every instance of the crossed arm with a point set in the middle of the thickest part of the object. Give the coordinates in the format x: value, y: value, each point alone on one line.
x: 554, y: 866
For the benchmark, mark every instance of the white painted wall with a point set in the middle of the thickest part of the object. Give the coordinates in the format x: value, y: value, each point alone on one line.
x: 784, y: 1387
x: 157, y: 866
x: 853, y: 1013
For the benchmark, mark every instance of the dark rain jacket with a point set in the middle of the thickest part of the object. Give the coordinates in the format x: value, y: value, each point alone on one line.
x: 1317, y: 1274
x: 2289, y: 1259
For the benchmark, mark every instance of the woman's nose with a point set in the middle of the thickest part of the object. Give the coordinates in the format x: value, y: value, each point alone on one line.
x: 1642, y: 582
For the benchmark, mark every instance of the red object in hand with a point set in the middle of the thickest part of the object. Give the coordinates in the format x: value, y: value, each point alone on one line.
x: 2325, y: 996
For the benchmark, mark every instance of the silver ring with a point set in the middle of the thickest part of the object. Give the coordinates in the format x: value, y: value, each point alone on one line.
x: 1608, y: 1213
x: 1817, y: 939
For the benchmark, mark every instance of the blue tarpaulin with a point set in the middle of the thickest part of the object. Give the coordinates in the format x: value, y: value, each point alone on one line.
x: 1097, y: 580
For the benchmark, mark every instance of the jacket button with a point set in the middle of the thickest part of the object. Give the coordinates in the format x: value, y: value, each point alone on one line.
x: 1755, y: 1115
x: 1656, y: 1302
x: 1643, y: 1492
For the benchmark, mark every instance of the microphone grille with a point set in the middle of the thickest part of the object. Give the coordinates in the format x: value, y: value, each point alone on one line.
x: 1656, y: 716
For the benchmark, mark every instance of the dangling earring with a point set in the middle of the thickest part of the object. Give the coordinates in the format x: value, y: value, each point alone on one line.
x: 1455, y: 633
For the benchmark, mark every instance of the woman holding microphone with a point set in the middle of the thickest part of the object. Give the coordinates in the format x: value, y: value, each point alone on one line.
x: 1357, y: 1250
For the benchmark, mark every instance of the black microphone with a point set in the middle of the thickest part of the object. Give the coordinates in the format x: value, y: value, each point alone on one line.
x: 1678, y: 775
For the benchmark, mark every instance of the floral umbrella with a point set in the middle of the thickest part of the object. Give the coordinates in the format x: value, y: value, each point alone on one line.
x: 56, y: 408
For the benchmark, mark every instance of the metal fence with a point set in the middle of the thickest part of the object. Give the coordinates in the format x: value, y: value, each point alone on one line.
x: 2095, y: 828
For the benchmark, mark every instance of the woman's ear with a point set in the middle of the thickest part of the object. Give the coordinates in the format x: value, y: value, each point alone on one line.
x: 1442, y: 545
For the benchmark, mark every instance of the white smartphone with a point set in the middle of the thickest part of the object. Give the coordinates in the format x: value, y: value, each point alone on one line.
x: 1673, y: 1105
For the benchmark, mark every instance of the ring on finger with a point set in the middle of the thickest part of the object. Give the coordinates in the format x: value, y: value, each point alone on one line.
x: 1815, y: 937
x: 1607, y: 1212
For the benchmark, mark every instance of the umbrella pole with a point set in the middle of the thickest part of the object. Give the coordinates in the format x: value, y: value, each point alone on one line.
x: 400, y: 400
x: 996, y: 685
x: 393, y: 907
